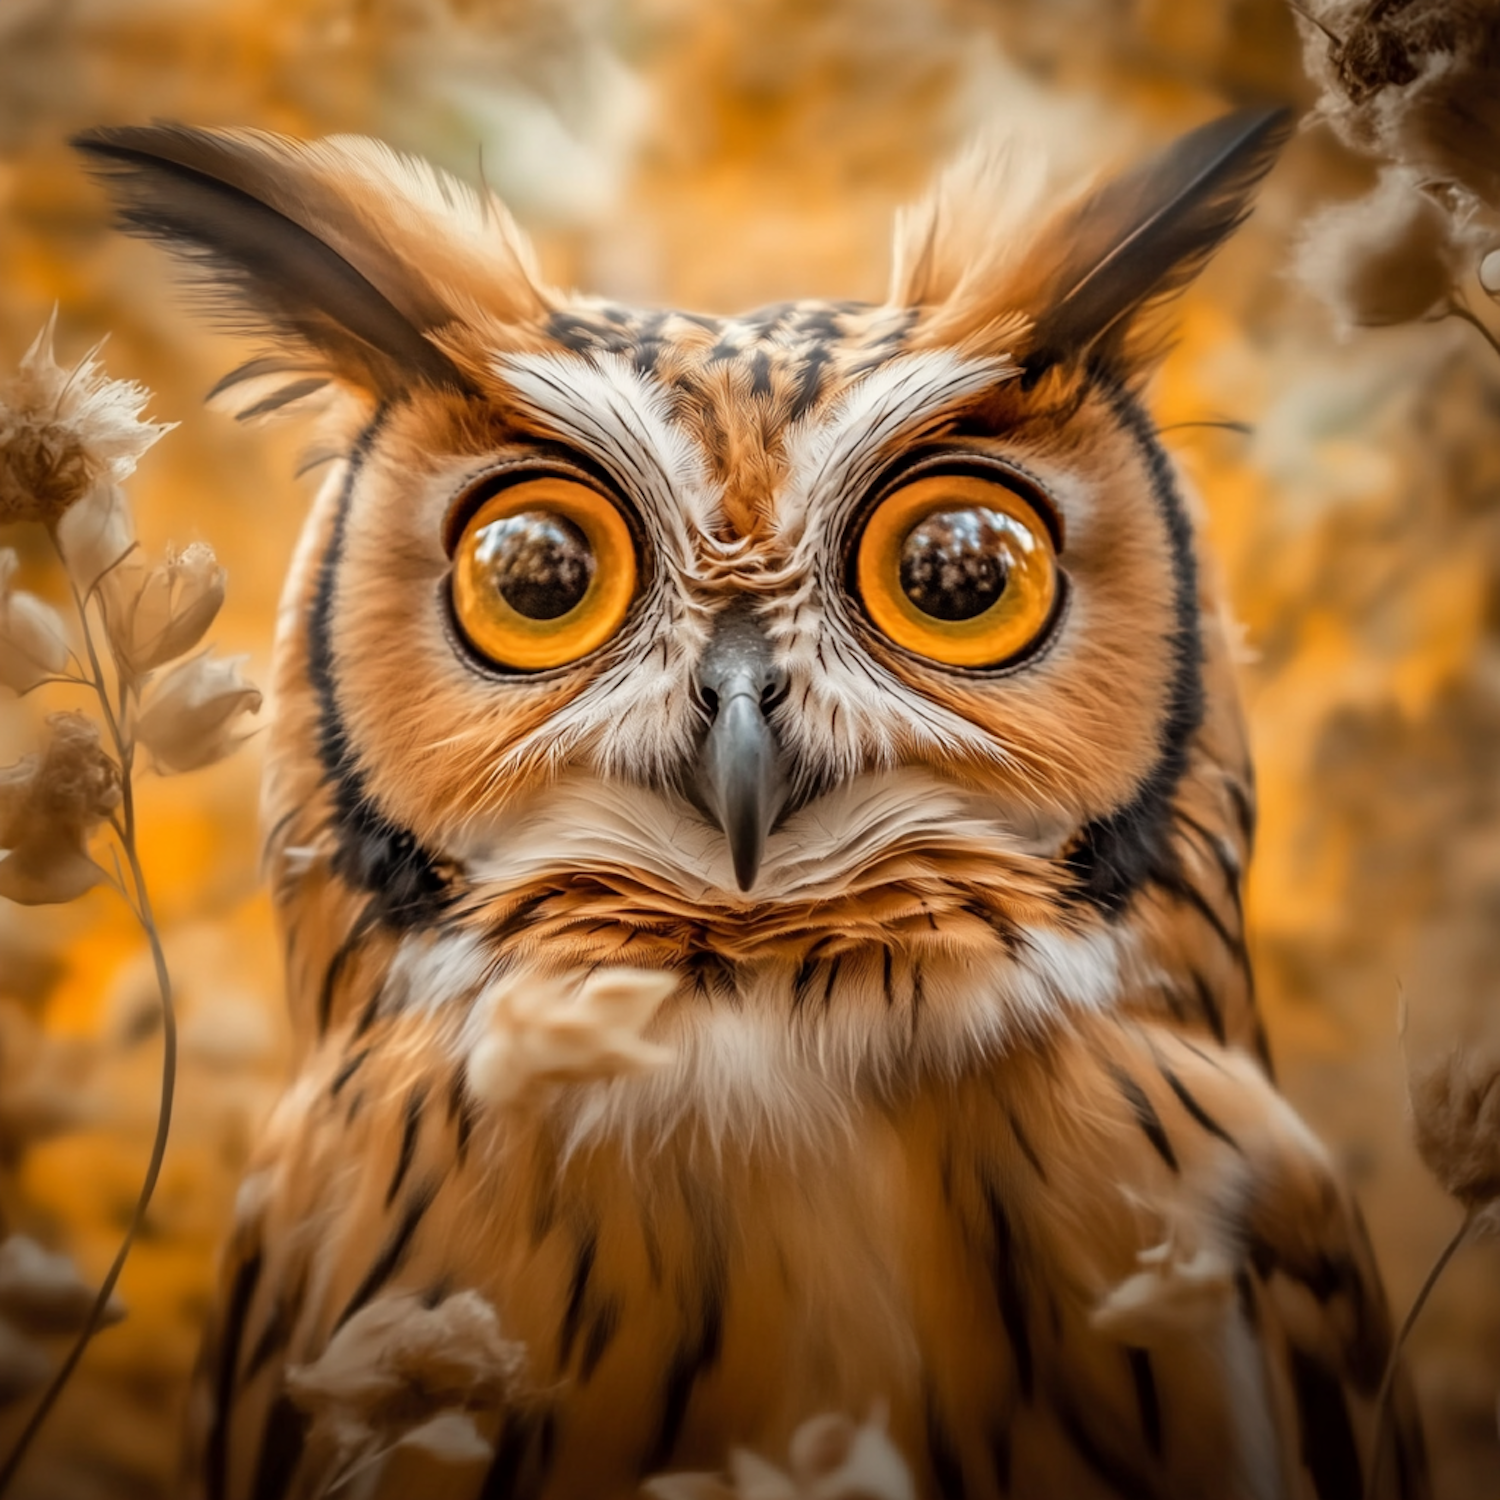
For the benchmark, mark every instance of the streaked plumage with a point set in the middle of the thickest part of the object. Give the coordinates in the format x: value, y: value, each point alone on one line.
x: 968, y: 1109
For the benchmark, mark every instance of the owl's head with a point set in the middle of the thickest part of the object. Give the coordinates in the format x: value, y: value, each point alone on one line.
x: 829, y: 630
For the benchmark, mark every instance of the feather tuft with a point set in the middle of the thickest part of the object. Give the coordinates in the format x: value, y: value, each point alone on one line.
x: 353, y: 258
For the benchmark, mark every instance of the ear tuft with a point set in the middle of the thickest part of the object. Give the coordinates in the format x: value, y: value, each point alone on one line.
x: 349, y: 256
x: 1101, y: 264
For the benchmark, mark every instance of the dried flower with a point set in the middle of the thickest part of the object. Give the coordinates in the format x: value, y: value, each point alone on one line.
x: 453, y: 1437
x: 189, y: 720
x: 1386, y: 258
x: 42, y: 1293
x: 541, y: 1029
x: 96, y: 536
x: 832, y: 1458
x: 49, y: 804
x: 398, y: 1365
x: 1182, y: 1285
x: 1455, y: 1105
x: 62, y: 431
x: 157, y: 614
x: 1377, y: 65
x: 33, y: 641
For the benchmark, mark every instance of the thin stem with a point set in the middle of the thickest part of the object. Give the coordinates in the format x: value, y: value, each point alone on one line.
x: 1387, y: 1384
x: 1312, y: 20
x: 91, y: 1324
x: 1469, y: 316
x: 125, y: 827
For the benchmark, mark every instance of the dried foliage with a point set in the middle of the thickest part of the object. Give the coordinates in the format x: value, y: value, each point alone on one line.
x: 403, y: 1373
x: 67, y: 439
x: 1455, y: 1107
x: 1417, y: 86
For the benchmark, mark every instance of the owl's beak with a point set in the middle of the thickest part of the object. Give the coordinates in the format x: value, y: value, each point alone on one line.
x: 739, y: 775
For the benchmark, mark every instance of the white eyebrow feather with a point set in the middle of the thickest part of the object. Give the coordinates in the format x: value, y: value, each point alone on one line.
x: 623, y: 422
x: 830, y: 457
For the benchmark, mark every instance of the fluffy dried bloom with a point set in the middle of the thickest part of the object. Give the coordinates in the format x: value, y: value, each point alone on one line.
x: 49, y: 804
x: 1417, y: 84
x: 63, y: 431
x: 33, y: 640
x: 1455, y: 1106
x: 831, y: 1458
x: 564, y: 1027
x: 398, y: 1365
x: 157, y: 614
x: 1386, y: 258
x: 1184, y: 1283
x: 96, y: 536
x: 42, y: 1293
x: 189, y: 721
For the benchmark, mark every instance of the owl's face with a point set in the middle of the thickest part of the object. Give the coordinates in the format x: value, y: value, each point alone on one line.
x: 828, y: 630
x: 754, y: 613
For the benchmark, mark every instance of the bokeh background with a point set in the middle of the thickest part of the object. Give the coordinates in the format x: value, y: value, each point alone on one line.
x: 723, y: 153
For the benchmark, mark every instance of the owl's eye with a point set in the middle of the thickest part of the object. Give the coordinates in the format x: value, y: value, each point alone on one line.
x: 543, y: 573
x: 958, y: 568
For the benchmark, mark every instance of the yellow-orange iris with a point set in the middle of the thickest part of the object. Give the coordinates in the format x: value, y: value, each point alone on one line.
x: 959, y: 569
x: 543, y: 574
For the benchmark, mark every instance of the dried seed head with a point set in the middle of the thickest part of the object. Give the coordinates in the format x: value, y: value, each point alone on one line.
x: 1455, y: 1106
x: 1386, y: 258
x: 64, y: 431
x: 49, y: 804
x: 400, y: 1371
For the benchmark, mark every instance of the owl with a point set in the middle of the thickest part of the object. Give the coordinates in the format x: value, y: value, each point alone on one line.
x: 757, y: 810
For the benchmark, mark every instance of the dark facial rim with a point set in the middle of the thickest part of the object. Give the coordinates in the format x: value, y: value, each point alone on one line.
x: 960, y: 461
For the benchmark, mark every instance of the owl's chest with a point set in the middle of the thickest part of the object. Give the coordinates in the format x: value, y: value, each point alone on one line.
x: 677, y: 1300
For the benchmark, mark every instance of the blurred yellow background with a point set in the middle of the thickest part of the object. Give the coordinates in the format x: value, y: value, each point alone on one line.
x: 718, y: 154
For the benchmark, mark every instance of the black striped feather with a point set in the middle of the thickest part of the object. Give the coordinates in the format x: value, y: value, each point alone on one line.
x: 1144, y: 236
x: 275, y: 247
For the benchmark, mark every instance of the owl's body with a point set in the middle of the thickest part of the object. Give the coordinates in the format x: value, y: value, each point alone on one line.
x: 962, y: 1110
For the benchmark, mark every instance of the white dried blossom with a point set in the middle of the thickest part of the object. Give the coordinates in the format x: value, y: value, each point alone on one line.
x: 41, y: 1293
x: 571, y: 1026
x: 1388, y: 257
x: 96, y: 536
x: 65, y: 431
x: 452, y: 1437
x: 33, y: 639
x: 1179, y: 1288
x: 1455, y: 1106
x: 831, y: 1458
x: 49, y: 804
x: 398, y: 1365
x: 157, y: 614
x: 190, y: 719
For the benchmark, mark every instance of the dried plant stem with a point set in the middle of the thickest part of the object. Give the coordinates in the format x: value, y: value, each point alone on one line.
x: 141, y: 907
x: 1388, y: 1381
x: 1462, y: 311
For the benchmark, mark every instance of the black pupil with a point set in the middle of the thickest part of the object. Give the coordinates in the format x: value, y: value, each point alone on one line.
x: 954, y: 562
x: 540, y: 562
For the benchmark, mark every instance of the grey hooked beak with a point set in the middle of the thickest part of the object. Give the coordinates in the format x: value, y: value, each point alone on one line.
x: 739, y: 777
